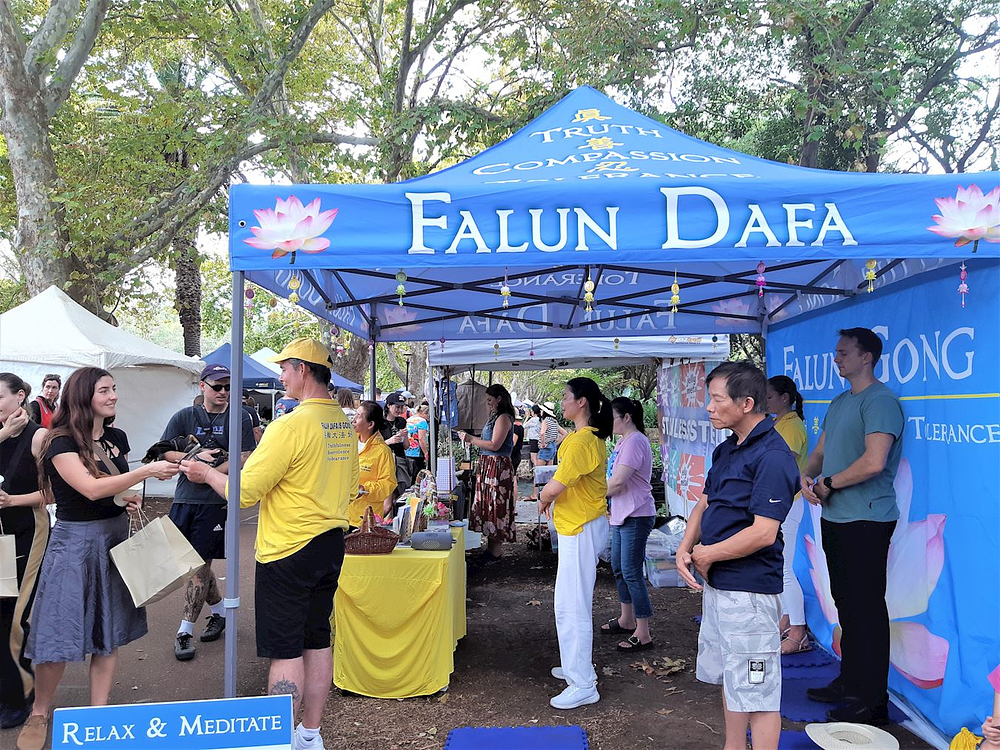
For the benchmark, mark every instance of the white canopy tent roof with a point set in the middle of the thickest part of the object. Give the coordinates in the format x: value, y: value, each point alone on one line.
x: 567, y: 353
x: 50, y: 333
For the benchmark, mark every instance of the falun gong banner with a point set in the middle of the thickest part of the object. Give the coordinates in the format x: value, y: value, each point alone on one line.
x: 941, y: 358
x: 687, y: 438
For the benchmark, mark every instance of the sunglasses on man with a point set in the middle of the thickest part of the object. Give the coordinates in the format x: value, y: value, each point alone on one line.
x: 219, y: 387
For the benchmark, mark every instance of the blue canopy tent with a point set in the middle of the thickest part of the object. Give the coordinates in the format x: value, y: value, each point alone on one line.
x: 255, y: 376
x: 594, y: 220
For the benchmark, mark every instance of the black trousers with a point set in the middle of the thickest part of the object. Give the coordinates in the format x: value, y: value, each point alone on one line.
x: 857, y: 555
x: 30, y: 529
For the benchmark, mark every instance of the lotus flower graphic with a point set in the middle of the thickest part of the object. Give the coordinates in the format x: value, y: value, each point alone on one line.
x: 731, y: 307
x: 969, y: 217
x: 916, y: 557
x: 290, y: 227
x: 693, y: 384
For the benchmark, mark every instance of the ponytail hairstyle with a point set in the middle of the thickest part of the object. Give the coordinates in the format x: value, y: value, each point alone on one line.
x: 597, y: 403
x: 504, y: 403
x: 75, y: 419
x: 784, y: 385
x: 629, y: 406
x: 15, y: 384
x: 372, y: 412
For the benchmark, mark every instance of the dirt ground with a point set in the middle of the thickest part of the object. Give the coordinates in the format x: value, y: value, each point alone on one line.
x: 501, y: 668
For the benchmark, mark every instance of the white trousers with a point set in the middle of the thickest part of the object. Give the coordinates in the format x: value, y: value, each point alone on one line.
x: 791, y: 595
x: 574, y: 601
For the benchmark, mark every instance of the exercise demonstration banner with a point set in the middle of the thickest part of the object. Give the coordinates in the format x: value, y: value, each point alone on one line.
x: 942, y: 360
x: 687, y: 438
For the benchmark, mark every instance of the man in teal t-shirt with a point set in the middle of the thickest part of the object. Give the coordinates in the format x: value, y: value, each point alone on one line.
x: 858, y: 454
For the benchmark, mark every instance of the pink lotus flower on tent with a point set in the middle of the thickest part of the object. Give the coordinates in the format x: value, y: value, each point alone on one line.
x: 731, y: 307
x: 290, y: 227
x: 969, y: 217
x: 916, y: 557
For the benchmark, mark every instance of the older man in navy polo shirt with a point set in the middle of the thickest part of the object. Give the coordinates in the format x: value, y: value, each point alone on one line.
x: 733, y: 540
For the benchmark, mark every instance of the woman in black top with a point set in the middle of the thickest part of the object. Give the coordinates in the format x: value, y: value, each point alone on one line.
x: 23, y: 516
x: 83, y: 607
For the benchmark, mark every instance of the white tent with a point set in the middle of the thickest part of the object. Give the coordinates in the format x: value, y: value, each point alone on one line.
x: 51, y: 333
x: 575, y: 353
x: 263, y: 356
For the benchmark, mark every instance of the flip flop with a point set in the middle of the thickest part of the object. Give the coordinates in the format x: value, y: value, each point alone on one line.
x: 636, y: 644
x: 611, y: 627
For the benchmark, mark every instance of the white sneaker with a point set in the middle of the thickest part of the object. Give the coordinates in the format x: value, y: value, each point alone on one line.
x: 558, y: 673
x: 300, y: 744
x: 574, y: 697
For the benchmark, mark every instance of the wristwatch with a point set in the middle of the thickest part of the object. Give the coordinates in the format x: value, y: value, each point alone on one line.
x: 828, y: 483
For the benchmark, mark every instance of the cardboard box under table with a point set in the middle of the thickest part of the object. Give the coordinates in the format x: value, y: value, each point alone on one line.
x: 398, y: 619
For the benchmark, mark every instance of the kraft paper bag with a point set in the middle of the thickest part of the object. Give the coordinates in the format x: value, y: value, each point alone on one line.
x: 155, y: 561
x: 8, y: 566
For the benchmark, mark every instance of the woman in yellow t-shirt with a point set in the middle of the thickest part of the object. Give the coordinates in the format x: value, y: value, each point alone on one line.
x: 785, y: 402
x: 378, y: 465
x: 578, y: 493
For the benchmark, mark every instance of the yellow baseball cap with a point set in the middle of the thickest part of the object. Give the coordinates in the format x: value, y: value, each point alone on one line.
x: 306, y: 349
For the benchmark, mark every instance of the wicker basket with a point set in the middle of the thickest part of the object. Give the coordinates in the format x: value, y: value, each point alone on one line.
x: 370, y: 539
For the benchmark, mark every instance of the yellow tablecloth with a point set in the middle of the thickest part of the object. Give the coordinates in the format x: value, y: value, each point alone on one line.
x: 398, y: 619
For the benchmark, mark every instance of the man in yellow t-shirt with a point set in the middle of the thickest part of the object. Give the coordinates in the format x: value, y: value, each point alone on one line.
x: 304, y: 474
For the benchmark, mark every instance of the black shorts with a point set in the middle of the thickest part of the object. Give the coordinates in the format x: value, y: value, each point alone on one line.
x: 293, y: 598
x: 532, y: 446
x: 204, y: 525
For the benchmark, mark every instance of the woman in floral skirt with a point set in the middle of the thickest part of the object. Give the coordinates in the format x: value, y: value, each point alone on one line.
x: 493, y: 508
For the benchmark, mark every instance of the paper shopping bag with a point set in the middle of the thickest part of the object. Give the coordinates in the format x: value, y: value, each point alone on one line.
x: 155, y: 561
x: 8, y: 566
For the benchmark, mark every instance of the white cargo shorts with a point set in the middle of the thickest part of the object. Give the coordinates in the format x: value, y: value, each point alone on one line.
x: 739, y: 647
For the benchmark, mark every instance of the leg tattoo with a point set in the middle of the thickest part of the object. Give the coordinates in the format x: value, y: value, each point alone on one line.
x: 212, y: 595
x: 286, y: 687
x: 194, y: 596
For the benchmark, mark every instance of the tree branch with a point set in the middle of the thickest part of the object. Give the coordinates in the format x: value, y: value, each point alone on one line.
x: 186, y: 200
x: 50, y: 34
x: 83, y: 42
x: 981, y: 137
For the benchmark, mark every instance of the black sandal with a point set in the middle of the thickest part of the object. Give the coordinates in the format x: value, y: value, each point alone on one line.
x: 611, y: 627
x: 636, y: 644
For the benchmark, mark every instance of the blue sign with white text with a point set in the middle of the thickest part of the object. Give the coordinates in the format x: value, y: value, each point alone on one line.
x: 942, y: 358
x: 258, y: 723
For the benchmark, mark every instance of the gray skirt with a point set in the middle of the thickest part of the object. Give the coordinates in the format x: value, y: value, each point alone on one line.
x: 82, y: 605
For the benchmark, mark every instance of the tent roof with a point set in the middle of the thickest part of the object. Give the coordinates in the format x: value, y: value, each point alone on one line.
x: 254, y: 375
x: 262, y: 358
x: 75, y: 337
x: 591, y: 189
x: 558, y: 354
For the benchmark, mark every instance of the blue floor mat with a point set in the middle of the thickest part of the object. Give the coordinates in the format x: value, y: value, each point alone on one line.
x: 815, y: 658
x: 790, y: 740
x: 522, y: 738
x: 826, y: 672
x: 795, y: 706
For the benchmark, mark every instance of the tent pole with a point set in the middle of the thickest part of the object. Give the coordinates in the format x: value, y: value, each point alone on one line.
x: 432, y: 446
x: 232, y: 596
x: 371, y: 355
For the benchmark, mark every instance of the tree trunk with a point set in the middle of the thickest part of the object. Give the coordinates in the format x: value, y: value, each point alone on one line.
x: 41, y: 244
x: 187, y: 295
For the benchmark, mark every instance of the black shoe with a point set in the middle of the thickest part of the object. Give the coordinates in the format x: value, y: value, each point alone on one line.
x: 216, y: 624
x: 832, y: 693
x: 860, y: 713
x: 183, y: 648
x: 11, y: 717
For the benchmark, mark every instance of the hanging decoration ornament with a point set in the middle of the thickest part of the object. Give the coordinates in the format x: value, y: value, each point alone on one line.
x: 531, y: 351
x: 273, y: 302
x: 505, y: 290
x: 400, y: 287
x: 294, y: 284
x: 870, y: 274
x: 496, y: 350
x: 249, y: 293
x: 675, y: 294
x: 335, y: 331
x: 588, y: 294
x: 715, y: 344
x: 963, y: 288
x: 761, y: 281
x: 617, y: 343
x: 340, y: 348
x: 442, y: 344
